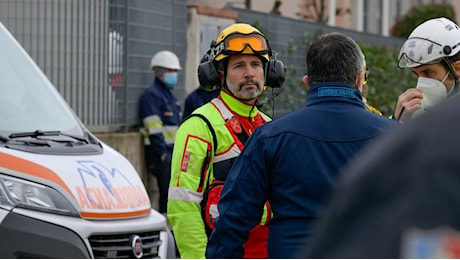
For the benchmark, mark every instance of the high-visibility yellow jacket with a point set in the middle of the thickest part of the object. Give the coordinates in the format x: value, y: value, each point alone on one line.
x: 372, y: 109
x: 192, y: 163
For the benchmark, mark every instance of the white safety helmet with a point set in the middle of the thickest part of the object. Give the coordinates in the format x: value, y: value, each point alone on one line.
x: 165, y: 59
x: 429, y: 43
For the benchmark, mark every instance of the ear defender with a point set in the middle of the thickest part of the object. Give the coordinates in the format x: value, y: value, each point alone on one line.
x: 275, y: 72
x: 207, y: 75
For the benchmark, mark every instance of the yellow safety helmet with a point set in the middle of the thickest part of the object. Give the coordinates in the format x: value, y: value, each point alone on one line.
x: 240, y: 38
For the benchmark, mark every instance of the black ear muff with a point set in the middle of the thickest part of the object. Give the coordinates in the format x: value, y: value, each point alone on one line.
x: 207, y: 75
x: 275, y: 73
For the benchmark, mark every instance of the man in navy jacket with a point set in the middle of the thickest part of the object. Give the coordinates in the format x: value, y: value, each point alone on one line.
x: 197, y: 98
x: 294, y: 160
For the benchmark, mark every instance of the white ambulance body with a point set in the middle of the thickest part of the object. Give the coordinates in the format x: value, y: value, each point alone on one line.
x: 64, y: 193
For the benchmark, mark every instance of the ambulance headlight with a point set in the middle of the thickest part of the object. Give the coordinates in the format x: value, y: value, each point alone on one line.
x: 20, y: 193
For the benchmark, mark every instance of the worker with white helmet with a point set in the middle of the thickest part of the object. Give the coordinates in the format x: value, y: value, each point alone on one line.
x: 159, y: 114
x: 400, y: 195
x: 432, y: 52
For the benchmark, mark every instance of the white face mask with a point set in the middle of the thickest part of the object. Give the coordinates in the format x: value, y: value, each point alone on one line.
x: 433, y: 91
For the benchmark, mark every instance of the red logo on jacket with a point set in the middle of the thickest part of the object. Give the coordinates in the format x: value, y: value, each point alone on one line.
x: 185, y: 160
x: 235, y: 125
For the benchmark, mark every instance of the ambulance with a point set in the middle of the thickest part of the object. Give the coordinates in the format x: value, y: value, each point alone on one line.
x: 63, y: 192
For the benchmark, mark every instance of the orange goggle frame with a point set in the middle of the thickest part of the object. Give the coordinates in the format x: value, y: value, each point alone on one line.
x: 237, y: 43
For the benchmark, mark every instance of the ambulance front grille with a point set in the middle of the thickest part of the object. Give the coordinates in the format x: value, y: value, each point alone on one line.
x: 119, y: 246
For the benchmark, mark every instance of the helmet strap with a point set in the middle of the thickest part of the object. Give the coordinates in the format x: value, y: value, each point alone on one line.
x: 454, y: 89
x: 223, y: 65
x: 452, y: 71
x: 450, y: 67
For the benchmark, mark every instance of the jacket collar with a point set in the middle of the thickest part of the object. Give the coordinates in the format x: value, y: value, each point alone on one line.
x: 158, y: 82
x: 334, y: 91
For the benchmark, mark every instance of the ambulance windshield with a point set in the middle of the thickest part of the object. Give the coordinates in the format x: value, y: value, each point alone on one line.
x: 28, y: 100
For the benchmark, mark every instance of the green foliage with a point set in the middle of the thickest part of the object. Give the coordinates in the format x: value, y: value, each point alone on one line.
x: 417, y: 15
x: 386, y: 80
x: 293, y: 94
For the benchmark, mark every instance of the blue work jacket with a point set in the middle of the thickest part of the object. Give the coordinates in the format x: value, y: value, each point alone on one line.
x: 159, y: 114
x: 294, y: 162
x: 197, y: 98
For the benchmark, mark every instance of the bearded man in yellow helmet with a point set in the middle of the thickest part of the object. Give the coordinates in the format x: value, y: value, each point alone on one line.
x: 209, y: 141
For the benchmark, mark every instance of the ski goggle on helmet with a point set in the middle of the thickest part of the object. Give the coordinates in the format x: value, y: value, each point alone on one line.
x: 429, y: 43
x: 240, y: 38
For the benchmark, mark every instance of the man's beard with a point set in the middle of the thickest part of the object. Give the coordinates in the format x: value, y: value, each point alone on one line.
x: 251, y: 93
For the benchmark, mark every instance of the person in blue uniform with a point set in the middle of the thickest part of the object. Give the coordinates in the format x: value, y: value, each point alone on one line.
x: 159, y: 114
x: 197, y: 98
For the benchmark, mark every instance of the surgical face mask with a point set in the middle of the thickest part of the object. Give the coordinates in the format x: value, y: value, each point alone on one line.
x: 433, y: 91
x: 170, y: 79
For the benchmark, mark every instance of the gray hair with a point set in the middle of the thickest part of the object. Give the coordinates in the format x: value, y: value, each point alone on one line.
x: 334, y: 57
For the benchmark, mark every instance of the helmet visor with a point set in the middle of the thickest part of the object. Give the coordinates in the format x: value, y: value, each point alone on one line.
x: 238, y: 43
x: 419, y: 51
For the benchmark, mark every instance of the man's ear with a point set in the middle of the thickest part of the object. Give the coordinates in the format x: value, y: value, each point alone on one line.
x: 456, y: 66
x: 305, y: 81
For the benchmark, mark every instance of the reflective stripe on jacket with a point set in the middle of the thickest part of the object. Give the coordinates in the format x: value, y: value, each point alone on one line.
x: 192, y: 164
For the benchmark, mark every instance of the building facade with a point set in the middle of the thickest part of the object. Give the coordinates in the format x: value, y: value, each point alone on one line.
x: 376, y: 16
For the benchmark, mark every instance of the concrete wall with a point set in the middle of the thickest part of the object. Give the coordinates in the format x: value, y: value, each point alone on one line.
x: 204, y: 24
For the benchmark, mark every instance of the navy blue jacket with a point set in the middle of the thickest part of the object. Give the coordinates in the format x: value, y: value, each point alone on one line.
x: 158, y: 101
x: 293, y: 161
x: 197, y: 98
x: 411, y: 204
